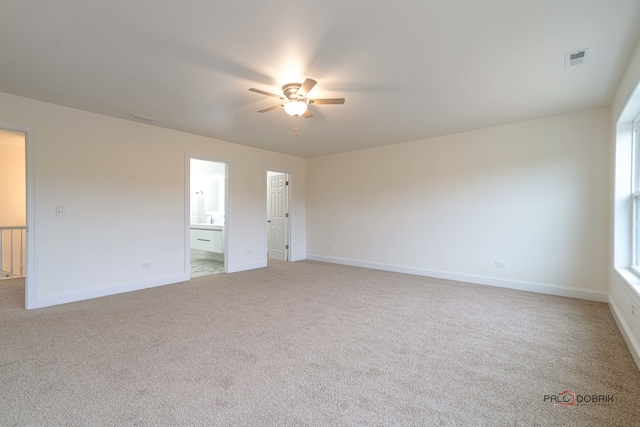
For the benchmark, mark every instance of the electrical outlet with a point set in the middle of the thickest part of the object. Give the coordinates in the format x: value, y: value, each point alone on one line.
x: 501, y: 264
x: 330, y: 247
x: 633, y: 310
x: 145, y: 265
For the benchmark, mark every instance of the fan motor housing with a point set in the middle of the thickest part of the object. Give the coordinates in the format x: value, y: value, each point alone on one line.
x: 290, y: 90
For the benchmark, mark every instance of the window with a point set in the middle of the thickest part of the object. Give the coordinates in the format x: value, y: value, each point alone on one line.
x: 635, y: 195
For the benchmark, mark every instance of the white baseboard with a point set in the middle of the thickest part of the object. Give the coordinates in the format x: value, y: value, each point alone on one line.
x: 632, y: 343
x: 244, y: 267
x: 48, y: 301
x: 100, y: 292
x: 541, y: 288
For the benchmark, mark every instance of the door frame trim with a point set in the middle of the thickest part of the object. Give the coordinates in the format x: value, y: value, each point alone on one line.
x: 31, y: 282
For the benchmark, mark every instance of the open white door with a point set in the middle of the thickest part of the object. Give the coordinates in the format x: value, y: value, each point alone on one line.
x: 277, y: 216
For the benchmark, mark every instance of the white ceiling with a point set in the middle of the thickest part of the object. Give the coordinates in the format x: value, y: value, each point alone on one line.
x: 410, y: 69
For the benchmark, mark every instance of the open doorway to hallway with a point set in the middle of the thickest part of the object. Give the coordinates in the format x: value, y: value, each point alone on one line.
x: 207, y: 209
x: 278, y: 215
x: 13, y: 235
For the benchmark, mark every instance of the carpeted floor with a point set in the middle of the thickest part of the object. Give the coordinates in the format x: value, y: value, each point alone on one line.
x: 313, y: 344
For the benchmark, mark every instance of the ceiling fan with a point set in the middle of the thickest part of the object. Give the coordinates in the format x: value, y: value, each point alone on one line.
x: 295, y: 99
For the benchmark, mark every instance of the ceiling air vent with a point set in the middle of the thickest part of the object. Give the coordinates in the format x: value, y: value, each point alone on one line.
x: 142, y: 119
x: 579, y: 57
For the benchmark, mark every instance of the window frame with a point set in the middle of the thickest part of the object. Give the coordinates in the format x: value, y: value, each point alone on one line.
x: 635, y: 196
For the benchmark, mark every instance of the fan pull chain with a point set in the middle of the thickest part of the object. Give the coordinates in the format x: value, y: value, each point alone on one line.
x: 295, y: 126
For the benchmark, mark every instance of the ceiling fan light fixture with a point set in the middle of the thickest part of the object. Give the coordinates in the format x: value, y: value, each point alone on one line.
x: 295, y: 108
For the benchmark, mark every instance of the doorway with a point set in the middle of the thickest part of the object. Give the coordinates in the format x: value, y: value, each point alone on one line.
x: 278, y: 215
x: 13, y: 217
x: 207, y: 217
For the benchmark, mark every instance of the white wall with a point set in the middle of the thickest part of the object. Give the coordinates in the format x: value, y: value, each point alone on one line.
x: 622, y: 295
x: 123, y: 186
x: 534, y: 194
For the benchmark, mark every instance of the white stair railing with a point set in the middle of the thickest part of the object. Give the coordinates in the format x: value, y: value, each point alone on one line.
x: 12, y: 251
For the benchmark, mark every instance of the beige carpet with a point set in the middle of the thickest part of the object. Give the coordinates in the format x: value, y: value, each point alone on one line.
x: 313, y: 344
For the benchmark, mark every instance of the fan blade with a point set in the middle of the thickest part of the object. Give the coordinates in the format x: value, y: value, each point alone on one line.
x: 275, y: 107
x: 307, y: 114
x: 327, y: 101
x: 261, y: 92
x: 306, y: 87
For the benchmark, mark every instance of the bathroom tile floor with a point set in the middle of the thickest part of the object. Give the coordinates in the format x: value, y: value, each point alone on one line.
x: 205, y: 266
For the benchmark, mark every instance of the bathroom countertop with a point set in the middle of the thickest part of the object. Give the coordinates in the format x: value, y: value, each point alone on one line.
x: 208, y: 226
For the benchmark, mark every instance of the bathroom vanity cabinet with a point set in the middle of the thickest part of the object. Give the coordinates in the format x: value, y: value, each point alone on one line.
x: 207, y: 237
